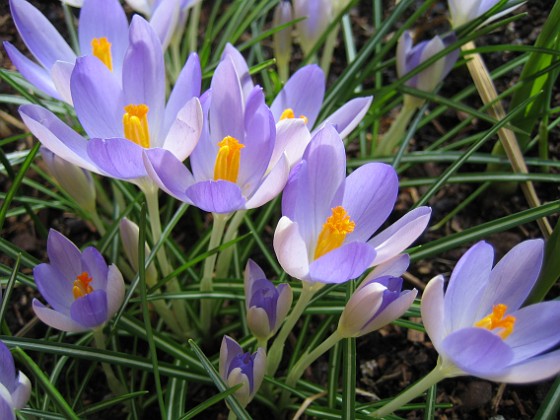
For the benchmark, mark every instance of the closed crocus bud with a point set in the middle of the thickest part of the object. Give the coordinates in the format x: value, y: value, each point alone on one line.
x: 76, y: 181
x: 15, y: 387
x: 377, y: 301
x: 409, y: 57
x: 130, y: 235
x: 462, y: 11
x: 267, y: 306
x: 283, y: 38
x: 239, y: 367
x: 318, y: 15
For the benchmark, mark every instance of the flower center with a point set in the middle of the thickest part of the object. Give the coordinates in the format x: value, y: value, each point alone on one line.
x: 497, y: 320
x: 289, y: 113
x: 227, y: 159
x: 335, y: 229
x: 135, y: 123
x: 81, y: 285
x: 101, y: 48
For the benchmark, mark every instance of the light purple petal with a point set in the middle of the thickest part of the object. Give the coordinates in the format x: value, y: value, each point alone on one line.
x: 61, y: 74
x: 168, y: 173
x: 6, y: 411
x: 369, y: 196
x: 91, y: 309
x: 216, y: 196
x: 361, y: 306
x: 477, y: 351
x: 342, y: 264
x: 395, y: 267
x: 22, y: 392
x: 303, y: 93
x: 40, y: 36
x: 64, y: 255
x: 349, y: 115
x: 94, y: 264
x: 252, y: 273
x: 535, y: 369
x: 392, y: 311
x: 7, y: 368
x: 164, y: 20
x: 290, y: 249
x: 56, y: 319
x: 185, y: 131
x: 228, y: 350
x: 55, y: 288
x: 404, y: 45
x: 241, y: 68
x: 119, y: 158
x: 432, y: 312
x: 115, y: 290
x: 292, y: 137
x: 401, y: 234
x: 271, y: 186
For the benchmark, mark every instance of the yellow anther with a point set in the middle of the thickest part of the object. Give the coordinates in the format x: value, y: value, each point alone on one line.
x: 81, y: 285
x: 334, y: 231
x: 497, y: 320
x: 101, y: 48
x: 135, y: 123
x: 227, y: 159
x: 289, y: 113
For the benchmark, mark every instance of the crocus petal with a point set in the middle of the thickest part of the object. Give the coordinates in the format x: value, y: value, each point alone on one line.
x: 401, y: 234
x: 241, y: 68
x: 258, y: 322
x: 259, y: 368
x: 535, y: 369
x: 392, y: 311
x: 285, y: 297
x: 119, y: 158
x: 54, y: 286
x: 56, y: 319
x: 430, y: 77
x: 477, y: 351
x: 342, y: 264
x: 6, y: 410
x: 432, y: 311
x: 91, y: 309
x: 252, y: 273
x: 40, y: 36
x: 63, y: 255
x: 290, y: 249
x: 404, y: 45
x: 164, y: 20
x: 348, y: 116
x: 21, y: 394
x: 243, y: 394
x: 271, y: 186
x: 7, y: 368
x: 94, y: 264
x: 185, y: 131
x: 168, y: 173
x: 61, y: 74
x: 115, y: 290
x: 228, y: 350
x: 361, y: 306
x: 292, y: 137
x: 216, y: 196
x: 395, y: 267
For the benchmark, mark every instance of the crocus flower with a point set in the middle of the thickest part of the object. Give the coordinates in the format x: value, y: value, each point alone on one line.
x: 478, y: 324
x: 325, y: 234
x: 238, y: 367
x: 283, y: 38
x: 378, y: 300
x: 82, y: 290
x: 463, y: 11
x: 231, y: 165
x: 124, y: 118
x: 409, y: 57
x: 15, y: 387
x: 318, y: 15
x: 130, y: 237
x: 267, y: 305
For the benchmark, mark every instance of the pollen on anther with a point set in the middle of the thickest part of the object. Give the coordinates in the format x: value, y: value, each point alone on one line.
x: 101, y: 48
x: 81, y: 285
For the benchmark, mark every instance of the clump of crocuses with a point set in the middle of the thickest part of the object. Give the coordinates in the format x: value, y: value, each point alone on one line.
x: 15, y: 387
x: 83, y: 291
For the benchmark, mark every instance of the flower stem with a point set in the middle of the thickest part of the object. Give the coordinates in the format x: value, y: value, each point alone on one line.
x: 442, y: 370
x: 328, y: 50
x: 115, y: 385
x: 208, y: 271
x: 224, y: 257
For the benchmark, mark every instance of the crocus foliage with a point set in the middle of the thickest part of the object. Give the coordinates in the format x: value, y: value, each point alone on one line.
x: 479, y: 324
x: 82, y: 290
x: 15, y: 387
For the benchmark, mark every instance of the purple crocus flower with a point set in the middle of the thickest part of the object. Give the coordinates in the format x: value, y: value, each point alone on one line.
x: 125, y: 117
x: 479, y: 327
x: 239, y: 367
x: 409, y: 57
x: 463, y: 11
x: 325, y: 234
x: 231, y: 165
x: 82, y: 290
x: 15, y: 387
x: 267, y: 305
x: 378, y: 300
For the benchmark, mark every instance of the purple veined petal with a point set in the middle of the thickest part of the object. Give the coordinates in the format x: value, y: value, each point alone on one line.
x: 40, y: 36
x: 404, y: 45
x: 392, y: 311
x: 466, y: 286
x: 252, y: 273
x: 115, y: 290
x: 21, y: 394
x: 535, y: 330
x: 347, y: 117
x: 477, y: 351
x: 513, y: 277
x: 94, y: 264
x: 56, y: 319
x: 258, y: 322
x: 104, y: 19
x: 98, y: 98
x: 168, y: 173
x: 361, y: 306
x: 55, y: 288
x: 203, y: 157
x: 6, y: 411
x: 291, y: 249
x: 429, y: 78
x: 186, y: 87
x: 292, y: 137
x: 369, y: 197
x: 433, y: 315
x: 7, y: 368
x: 64, y: 255
x: 271, y: 186
x: 164, y: 20
x: 395, y: 267
x: 532, y: 370
x: 61, y: 74
x: 185, y: 132
x: 228, y: 350
x: 144, y: 73
x: 342, y: 264
x: 285, y: 298
x: 401, y: 234
x: 227, y: 105
x: 241, y: 68
x: 119, y: 158
x: 90, y: 310
x: 303, y: 93
x: 33, y: 73
x: 216, y: 196
x: 243, y: 394
x: 57, y: 136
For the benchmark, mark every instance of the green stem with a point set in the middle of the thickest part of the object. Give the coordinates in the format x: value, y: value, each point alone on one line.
x: 262, y: 343
x: 224, y: 257
x: 394, y: 136
x: 208, y: 270
x: 277, y: 348
x: 115, y: 385
x: 328, y: 50
x: 443, y: 369
x: 193, y: 28
x: 231, y: 415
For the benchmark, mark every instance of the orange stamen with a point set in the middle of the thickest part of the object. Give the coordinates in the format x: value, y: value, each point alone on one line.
x: 81, y: 285
x: 334, y: 231
x: 135, y: 123
x: 101, y: 48
x: 228, y: 159
x: 289, y: 113
x: 497, y: 320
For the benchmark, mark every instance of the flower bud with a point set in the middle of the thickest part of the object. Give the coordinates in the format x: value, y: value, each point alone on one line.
x: 283, y: 38
x: 76, y: 181
x: 130, y: 235
x: 15, y: 387
x: 318, y: 15
x: 238, y: 367
x: 267, y: 306
x: 462, y: 11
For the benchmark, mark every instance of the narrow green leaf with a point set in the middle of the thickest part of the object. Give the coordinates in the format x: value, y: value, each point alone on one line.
x: 210, y: 402
x: 551, y: 404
